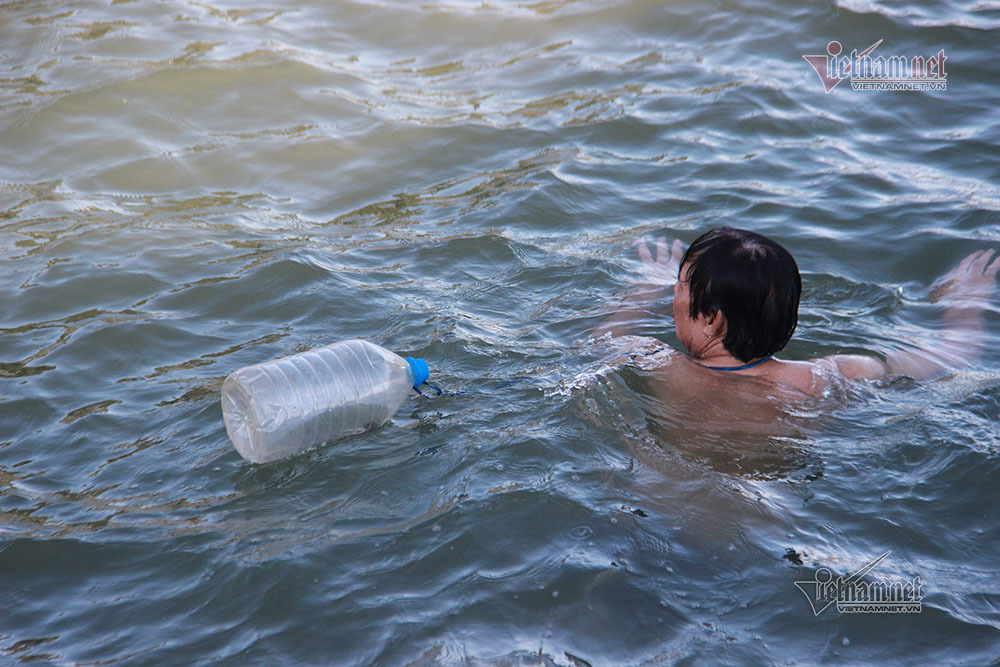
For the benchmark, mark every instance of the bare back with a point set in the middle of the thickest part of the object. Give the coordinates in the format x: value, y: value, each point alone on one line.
x: 740, y: 421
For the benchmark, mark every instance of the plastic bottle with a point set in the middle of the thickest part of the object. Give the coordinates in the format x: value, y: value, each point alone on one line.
x: 276, y: 409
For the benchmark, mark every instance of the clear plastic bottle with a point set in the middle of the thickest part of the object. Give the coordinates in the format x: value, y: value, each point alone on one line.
x: 276, y: 409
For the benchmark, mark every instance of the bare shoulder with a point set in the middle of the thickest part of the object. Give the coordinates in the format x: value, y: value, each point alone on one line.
x: 804, y: 376
x: 856, y: 366
x: 813, y: 377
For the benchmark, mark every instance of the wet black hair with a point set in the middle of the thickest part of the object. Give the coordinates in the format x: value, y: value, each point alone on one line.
x: 752, y: 281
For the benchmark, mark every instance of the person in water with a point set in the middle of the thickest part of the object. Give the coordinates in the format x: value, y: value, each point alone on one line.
x: 736, y: 299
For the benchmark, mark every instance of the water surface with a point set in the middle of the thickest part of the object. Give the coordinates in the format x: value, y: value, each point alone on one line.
x: 187, y: 188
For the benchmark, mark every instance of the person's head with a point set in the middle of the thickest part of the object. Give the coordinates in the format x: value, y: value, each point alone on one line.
x: 743, y: 287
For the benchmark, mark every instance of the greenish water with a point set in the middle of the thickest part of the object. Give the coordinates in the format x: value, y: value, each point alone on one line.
x: 187, y: 188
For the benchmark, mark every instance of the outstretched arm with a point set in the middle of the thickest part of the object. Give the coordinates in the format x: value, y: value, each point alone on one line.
x: 964, y: 292
x: 656, y: 282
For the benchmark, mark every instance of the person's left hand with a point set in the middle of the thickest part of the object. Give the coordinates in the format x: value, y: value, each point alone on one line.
x: 664, y: 269
x: 973, y: 280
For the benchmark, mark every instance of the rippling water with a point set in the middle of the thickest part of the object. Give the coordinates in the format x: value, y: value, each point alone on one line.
x: 190, y: 187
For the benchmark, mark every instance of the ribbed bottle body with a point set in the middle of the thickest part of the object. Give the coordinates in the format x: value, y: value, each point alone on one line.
x: 276, y: 409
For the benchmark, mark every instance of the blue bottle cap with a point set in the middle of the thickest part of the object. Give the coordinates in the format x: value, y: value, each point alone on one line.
x: 420, y: 371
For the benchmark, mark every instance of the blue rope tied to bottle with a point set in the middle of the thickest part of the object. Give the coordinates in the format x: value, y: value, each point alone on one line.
x: 420, y: 374
x: 434, y: 387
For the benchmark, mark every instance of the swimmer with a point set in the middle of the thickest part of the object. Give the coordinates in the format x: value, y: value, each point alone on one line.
x: 736, y: 297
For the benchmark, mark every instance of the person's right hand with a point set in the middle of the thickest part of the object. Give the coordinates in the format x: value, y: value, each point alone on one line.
x: 973, y: 280
x: 664, y: 269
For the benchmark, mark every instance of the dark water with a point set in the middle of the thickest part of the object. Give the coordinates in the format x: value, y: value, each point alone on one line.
x: 187, y: 188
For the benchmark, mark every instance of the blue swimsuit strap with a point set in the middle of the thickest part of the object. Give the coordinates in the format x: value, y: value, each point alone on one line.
x: 740, y: 368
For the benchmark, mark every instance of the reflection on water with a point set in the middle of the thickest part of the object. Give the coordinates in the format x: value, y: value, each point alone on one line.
x: 187, y: 188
